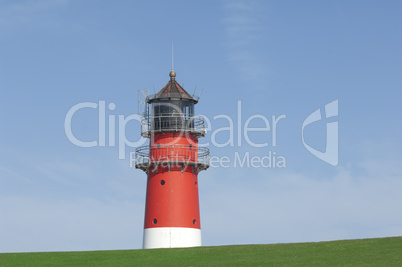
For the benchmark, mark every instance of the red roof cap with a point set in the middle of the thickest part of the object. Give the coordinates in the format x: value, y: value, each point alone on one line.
x: 172, y: 90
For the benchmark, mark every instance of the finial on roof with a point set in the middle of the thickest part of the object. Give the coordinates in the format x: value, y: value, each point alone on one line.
x: 172, y: 75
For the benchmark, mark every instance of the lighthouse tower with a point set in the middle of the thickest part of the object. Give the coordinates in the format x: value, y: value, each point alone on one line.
x: 172, y: 162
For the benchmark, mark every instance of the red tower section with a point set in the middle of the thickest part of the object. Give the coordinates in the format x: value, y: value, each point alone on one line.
x: 172, y: 161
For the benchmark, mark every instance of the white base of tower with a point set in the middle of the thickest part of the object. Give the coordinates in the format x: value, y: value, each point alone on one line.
x: 171, y: 237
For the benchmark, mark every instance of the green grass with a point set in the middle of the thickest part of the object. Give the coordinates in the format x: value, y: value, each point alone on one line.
x: 362, y: 252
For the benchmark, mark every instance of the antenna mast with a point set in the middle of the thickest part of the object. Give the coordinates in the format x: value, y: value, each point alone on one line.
x: 172, y: 55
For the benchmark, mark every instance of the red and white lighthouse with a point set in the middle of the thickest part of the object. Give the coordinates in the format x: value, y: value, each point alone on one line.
x: 172, y: 162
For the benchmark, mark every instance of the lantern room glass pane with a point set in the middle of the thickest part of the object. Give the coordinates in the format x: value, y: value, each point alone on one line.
x: 175, y: 115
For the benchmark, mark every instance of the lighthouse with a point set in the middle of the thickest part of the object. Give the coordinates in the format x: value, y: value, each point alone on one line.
x: 172, y: 161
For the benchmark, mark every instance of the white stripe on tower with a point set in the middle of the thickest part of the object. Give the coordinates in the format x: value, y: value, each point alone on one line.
x: 171, y: 237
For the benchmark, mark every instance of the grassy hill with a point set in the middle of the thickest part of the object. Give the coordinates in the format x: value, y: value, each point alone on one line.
x: 367, y: 252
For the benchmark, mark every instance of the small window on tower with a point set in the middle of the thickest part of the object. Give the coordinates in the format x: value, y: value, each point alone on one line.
x: 155, y: 221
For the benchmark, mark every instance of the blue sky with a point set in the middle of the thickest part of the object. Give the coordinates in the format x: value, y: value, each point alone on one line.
x: 276, y: 57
